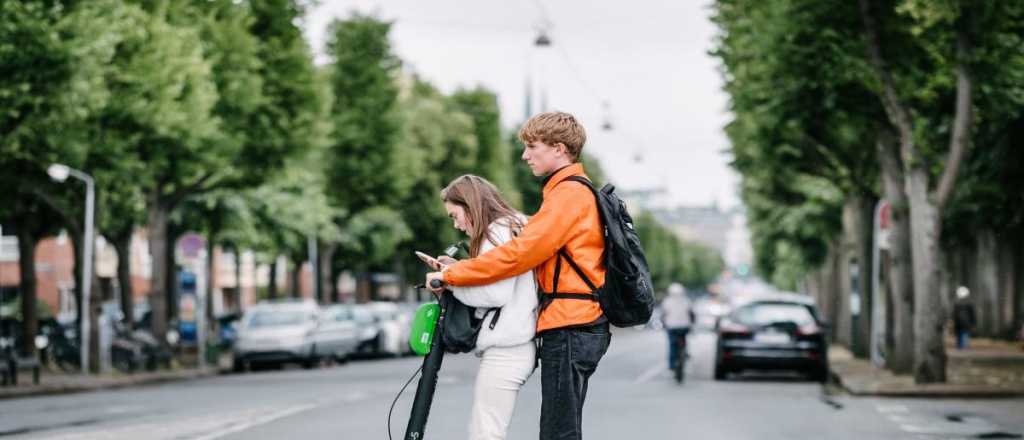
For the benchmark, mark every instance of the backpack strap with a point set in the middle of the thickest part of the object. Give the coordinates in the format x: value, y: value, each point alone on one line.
x: 547, y: 297
x: 579, y: 271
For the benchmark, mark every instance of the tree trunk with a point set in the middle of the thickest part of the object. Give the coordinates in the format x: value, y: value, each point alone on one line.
x: 986, y: 289
x: 272, y: 286
x: 849, y: 268
x: 76, y: 271
x: 157, y: 226
x: 328, y: 278
x: 172, y: 288
x: 929, y: 316
x: 900, y: 356
x: 830, y: 289
x: 854, y: 325
x: 123, y: 246
x: 211, y: 273
x: 812, y: 284
x: 236, y: 297
x: 27, y: 268
x: 296, y: 279
x: 1007, y: 288
x: 1018, y: 277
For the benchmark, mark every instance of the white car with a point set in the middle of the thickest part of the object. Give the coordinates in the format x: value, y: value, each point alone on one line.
x: 277, y: 332
x: 393, y: 337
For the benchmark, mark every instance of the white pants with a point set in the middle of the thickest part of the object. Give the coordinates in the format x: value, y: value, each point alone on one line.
x: 503, y: 371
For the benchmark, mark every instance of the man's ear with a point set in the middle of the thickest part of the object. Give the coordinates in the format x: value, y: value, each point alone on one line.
x: 562, y: 148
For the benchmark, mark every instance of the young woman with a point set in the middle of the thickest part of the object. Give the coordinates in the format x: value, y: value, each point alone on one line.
x: 507, y: 351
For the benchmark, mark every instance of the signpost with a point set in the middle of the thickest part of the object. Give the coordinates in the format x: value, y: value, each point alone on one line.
x: 192, y: 285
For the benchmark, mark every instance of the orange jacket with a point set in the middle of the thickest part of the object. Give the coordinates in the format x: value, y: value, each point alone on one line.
x: 567, y: 218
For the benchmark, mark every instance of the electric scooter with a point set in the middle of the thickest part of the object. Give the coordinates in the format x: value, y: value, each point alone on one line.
x: 428, y: 380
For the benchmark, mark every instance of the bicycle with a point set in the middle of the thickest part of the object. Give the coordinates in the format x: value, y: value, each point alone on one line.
x: 679, y: 365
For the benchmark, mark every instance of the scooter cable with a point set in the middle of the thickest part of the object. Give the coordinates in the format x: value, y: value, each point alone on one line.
x: 418, y: 370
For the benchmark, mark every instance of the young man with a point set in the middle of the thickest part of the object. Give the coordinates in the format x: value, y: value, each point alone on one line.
x: 571, y: 329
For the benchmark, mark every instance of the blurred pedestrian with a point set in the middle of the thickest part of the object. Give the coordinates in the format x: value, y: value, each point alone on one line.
x: 963, y: 317
x: 677, y: 318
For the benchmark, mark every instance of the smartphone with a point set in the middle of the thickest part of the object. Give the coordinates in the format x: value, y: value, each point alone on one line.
x: 431, y: 261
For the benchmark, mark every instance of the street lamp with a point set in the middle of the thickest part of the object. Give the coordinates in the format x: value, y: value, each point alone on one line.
x: 60, y: 173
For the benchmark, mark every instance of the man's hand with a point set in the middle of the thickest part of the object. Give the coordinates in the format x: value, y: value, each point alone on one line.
x: 434, y: 276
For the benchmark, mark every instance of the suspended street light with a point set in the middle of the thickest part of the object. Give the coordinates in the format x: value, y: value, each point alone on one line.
x: 542, y: 39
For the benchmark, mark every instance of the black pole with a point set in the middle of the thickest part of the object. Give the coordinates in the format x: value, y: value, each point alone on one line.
x: 428, y: 380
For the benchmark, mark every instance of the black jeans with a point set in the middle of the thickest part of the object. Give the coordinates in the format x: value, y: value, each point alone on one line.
x: 567, y: 359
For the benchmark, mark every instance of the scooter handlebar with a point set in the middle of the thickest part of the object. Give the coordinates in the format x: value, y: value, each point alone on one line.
x: 436, y: 284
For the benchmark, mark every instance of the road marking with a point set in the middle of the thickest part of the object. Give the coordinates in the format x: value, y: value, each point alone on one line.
x: 355, y: 397
x: 650, y: 374
x: 891, y: 409
x: 254, y: 421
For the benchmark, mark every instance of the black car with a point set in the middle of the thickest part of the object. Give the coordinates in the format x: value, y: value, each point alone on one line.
x: 783, y: 332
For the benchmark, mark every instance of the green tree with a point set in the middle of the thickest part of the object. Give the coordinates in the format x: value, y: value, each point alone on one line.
x: 52, y: 60
x: 925, y: 60
x: 492, y: 162
x: 364, y: 119
x: 433, y: 131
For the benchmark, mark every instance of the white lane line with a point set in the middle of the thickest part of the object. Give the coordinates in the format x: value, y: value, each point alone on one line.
x: 254, y: 421
x: 355, y: 397
x: 650, y: 373
x: 891, y: 409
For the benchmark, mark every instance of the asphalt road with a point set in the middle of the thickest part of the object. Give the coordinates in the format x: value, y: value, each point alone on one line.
x: 632, y: 396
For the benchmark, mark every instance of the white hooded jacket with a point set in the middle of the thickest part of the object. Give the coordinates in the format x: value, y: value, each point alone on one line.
x: 675, y: 309
x: 517, y: 297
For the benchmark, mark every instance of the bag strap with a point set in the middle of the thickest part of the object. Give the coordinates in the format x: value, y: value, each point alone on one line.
x: 579, y: 271
x: 494, y: 319
x: 555, y: 294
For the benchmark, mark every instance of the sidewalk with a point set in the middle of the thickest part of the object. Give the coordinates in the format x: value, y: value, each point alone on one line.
x: 987, y: 369
x: 60, y: 383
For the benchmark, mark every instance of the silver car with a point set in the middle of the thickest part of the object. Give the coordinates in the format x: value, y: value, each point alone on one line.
x: 277, y: 332
x: 337, y: 336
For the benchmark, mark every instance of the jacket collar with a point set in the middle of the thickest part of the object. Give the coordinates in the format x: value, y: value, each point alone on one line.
x: 561, y: 174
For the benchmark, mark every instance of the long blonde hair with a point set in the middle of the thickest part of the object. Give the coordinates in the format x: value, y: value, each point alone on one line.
x: 483, y: 204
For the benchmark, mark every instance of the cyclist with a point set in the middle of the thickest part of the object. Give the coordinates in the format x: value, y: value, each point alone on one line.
x: 676, y: 317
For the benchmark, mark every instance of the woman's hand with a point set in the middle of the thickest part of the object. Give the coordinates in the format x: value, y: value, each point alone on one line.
x: 446, y: 261
x: 434, y: 276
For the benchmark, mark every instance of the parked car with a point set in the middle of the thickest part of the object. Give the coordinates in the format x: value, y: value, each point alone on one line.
x: 276, y: 333
x: 772, y: 332
x: 394, y: 325
x: 337, y: 335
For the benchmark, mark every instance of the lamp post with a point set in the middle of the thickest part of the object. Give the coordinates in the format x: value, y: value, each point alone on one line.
x: 60, y: 173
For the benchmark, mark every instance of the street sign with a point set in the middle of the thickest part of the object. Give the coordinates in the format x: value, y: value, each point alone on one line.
x: 191, y: 244
x: 884, y: 224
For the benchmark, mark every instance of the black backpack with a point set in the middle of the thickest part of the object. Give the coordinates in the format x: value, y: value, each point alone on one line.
x: 462, y: 327
x: 627, y: 296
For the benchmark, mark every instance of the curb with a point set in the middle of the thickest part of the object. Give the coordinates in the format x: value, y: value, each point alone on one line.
x: 105, y: 383
x: 868, y: 385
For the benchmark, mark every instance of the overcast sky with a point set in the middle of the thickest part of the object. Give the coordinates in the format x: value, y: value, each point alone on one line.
x: 647, y: 58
